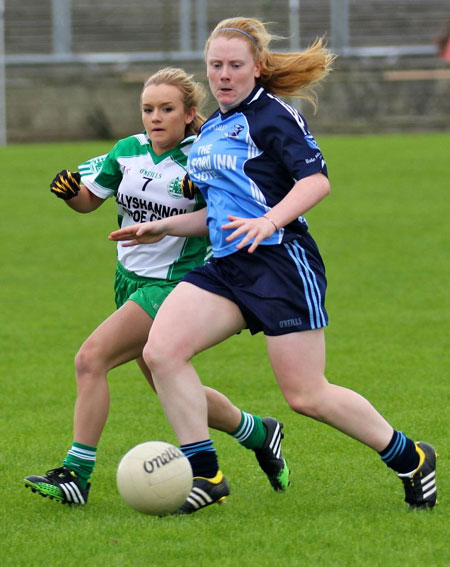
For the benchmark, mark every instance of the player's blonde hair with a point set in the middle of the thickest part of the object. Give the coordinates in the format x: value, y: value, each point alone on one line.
x: 193, y: 93
x: 284, y: 74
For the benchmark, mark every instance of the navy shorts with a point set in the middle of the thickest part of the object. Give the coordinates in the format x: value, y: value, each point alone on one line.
x: 279, y: 289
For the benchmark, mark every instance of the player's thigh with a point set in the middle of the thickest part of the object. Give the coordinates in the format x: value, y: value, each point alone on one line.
x: 120, y: 338
x: 298, y: 361
x: 191, y: 320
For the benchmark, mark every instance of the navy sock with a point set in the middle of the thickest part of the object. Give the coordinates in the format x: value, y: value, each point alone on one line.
x: 400, y: 455
x: 203, y: 458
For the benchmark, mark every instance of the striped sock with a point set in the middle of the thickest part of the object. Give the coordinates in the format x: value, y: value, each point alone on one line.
x: 81, y: 459
x: 251, y: 432
x: 203, y: 458
x: 400, y: 455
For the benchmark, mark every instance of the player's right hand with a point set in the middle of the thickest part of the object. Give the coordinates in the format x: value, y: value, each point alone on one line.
x: 188, y: 187
x: 143, y: 233
x: 66, y: 184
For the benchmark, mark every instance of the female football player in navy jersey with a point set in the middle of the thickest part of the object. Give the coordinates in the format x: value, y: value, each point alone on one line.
x: 260, y: 170
x: 144, y: 173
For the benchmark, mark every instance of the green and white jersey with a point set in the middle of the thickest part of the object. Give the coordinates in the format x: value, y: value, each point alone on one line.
x: 147, y: 187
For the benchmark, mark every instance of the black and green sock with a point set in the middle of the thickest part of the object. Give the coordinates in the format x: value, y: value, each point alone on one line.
x: 81, y: 459
x: 251, y: 432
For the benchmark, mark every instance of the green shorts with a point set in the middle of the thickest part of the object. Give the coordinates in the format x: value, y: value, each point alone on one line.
x: 148, y: 293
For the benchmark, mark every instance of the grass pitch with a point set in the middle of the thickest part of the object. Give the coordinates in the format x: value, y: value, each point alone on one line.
x: 384, y: 234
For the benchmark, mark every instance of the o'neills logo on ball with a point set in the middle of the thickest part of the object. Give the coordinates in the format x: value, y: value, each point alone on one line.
x: 162, y: 459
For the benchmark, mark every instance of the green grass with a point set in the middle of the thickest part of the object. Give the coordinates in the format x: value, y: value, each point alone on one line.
x: 384, y: 235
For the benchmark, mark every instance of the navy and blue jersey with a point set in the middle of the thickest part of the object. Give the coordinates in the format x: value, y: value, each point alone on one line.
x: 247, y: 159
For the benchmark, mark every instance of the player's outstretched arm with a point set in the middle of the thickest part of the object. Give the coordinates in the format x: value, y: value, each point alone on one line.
x: 304, y: 195
x: 85, y: 201
x: 189, y: 224
x: 67, y: 185
x: 144, y: 233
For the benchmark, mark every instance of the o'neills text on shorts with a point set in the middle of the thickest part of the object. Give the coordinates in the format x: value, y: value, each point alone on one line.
x: 290, y: 322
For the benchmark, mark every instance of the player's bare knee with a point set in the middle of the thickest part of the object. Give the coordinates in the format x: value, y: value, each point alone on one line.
x: 88, y: 360
x: 304, y: 406
x: 162, y: 356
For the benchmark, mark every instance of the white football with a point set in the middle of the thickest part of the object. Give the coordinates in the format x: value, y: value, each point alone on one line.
x: 154, y: 478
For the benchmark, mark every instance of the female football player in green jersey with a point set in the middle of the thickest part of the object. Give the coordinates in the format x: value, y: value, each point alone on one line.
x: 144, y: 174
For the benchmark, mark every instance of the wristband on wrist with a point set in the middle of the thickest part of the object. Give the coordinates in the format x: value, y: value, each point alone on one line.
x: 270, y: 220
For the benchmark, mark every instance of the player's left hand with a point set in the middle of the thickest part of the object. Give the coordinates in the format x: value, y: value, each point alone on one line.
x: 188, y: 187
x: 254, y: 229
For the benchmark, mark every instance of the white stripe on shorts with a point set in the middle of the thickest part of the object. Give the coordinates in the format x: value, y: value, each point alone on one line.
x: 312, y: 291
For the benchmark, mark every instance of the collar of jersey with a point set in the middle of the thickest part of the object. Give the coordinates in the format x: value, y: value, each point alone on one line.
x: 255, y: 94
x: 174, y: 152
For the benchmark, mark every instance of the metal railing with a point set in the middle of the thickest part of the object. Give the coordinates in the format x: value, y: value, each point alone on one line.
x: 189, y: 27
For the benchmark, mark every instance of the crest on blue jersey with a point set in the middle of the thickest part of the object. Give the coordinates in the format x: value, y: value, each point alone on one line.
x: 311, y: 142
x: 236, y: 131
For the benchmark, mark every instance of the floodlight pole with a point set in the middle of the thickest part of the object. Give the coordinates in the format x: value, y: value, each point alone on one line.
x: 294, y: 39
x: 2, y: 77
x: 294, y: 25
x: 201, y: 18
x: 339, y: 26
x: 185, y: 25
x: 62, y: 26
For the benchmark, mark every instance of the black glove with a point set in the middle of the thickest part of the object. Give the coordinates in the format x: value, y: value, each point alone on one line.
x: 188, y: 187
x: 66, y: 184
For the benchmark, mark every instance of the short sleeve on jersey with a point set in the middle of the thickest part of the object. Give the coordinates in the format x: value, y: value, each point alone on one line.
x: 89, y: 171
x: 284, y: 135
x: 102, y: 175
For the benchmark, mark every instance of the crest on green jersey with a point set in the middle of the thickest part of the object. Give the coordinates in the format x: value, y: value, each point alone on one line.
x: 174, y: 188
x: 91, y: 166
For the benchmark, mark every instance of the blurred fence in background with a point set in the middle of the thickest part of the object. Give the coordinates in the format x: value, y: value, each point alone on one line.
x: 61, y: 48
x: 52, y: 30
